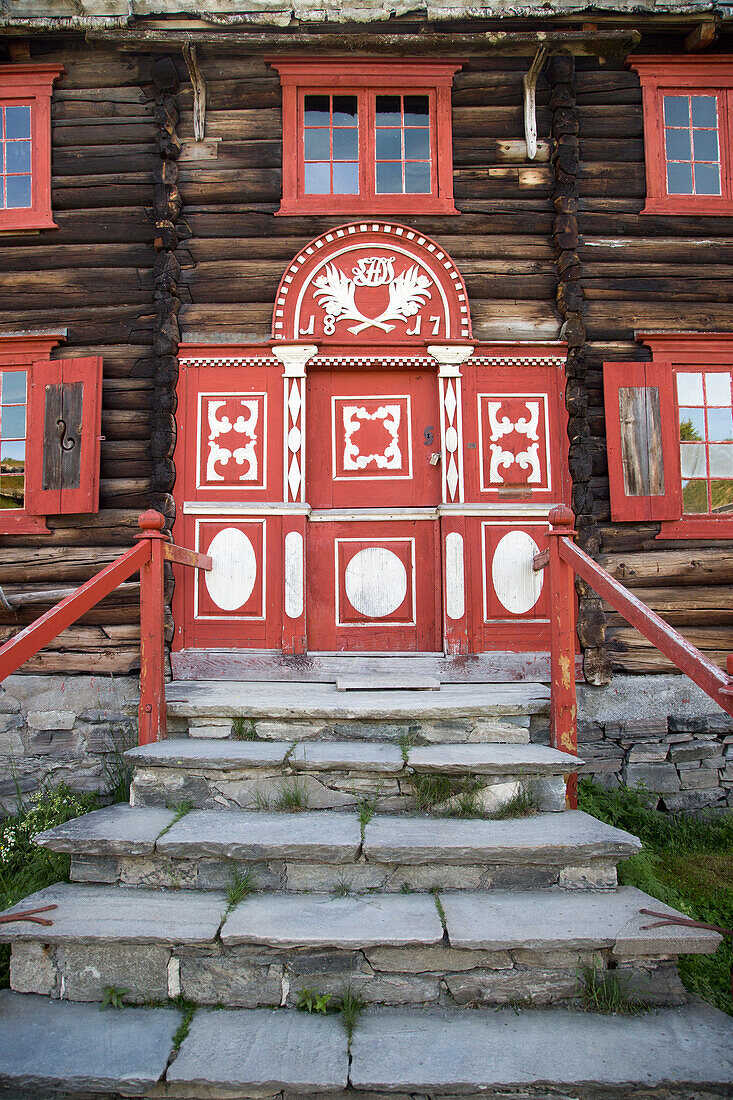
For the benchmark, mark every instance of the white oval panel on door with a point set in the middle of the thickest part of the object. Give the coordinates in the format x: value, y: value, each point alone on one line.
x: 516, y: 583
x: 376, y: 582
x: 231, y: 580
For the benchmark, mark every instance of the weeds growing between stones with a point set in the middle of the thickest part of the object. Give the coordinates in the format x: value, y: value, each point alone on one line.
x: 243, y: 883
x: 604, y: 991
x: 292, y: 796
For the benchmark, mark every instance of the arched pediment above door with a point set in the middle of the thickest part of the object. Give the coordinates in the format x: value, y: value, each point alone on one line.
x: 372, y: 283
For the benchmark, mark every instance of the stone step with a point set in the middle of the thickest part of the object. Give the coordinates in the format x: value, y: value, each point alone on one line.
x: 325, y: 850
x: 310, y: 711
x: 47, y: 1046
x: 453, y: 949
x: 257, y: 775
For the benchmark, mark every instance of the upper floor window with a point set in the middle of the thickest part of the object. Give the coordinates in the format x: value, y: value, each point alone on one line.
x: 25, y: 145
x: 364, y: 137
x: 688, y: 117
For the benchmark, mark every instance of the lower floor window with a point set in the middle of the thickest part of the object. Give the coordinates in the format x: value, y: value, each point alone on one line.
x: 13, y: 398
x: 706, y: 441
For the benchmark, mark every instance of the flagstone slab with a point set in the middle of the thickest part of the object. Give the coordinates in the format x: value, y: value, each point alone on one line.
x: 95, y: 914
x: 262, y: 1049
x: 571, y: 837
x: 437, y: 1051
x: 322, y: 920
x: 321, y: 835
x: 47, y: 1045
x: 374, y: 756
x: 115, y: 830
x: 491, y: 759
x: 191, y: 752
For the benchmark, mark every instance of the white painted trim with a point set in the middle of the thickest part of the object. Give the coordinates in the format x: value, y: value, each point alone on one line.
x: 379, y: 542
x: 485, y: 568
x: 368, y: 476
x: 244, y: 487
x: 242, y: 508
x: 544, y: 399
x: 338, y: 515
x: 230, y: 618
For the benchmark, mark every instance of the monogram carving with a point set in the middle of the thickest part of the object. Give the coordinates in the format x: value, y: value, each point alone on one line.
x: 336, y: 293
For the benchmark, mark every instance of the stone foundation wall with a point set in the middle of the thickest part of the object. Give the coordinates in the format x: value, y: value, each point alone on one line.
x: 662, y: 732
x: 659, y: 730
x: 63, y: 728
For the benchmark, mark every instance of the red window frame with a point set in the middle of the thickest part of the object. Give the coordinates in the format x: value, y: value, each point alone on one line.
x: 32, y: 85
x: 21, y: 353
x: 689, y: 352
x: 685, y: 75
x: 366, y: 79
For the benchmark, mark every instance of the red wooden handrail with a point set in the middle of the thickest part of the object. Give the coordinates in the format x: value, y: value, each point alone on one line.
x: 564, y: 559
x: 153, y: 549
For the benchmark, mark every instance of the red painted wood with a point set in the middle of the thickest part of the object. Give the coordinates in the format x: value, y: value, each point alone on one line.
x: 34, y: 637
x: 85, y: 496
x: 365, y: 78
x: 668, y: 641
x: 152, y: 706
x: 349, y: 285
x: 181, y: 556
x: 684, y: 75
x: 564, y: 707
x: 642, y: 375
x: 32, y: 85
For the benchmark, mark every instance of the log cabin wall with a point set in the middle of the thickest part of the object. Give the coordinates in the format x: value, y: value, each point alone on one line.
x: 640, y: 273
x: 94, y: 277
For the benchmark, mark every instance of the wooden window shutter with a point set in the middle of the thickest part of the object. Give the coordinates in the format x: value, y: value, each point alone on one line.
x: 64, y: 418
x: 642, y: 441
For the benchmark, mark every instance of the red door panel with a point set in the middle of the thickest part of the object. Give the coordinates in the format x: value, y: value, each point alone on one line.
x: 373, y: 586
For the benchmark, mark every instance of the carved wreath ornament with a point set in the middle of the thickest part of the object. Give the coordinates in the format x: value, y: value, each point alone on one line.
x: 336, y: 293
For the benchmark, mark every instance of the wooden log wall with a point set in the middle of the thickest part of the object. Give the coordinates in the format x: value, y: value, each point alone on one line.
x: 645, y: 272
x: 93, y: 276
x: 233, y: 251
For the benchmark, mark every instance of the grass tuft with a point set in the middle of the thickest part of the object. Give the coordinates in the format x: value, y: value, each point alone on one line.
x: 118, y: 771
x: 188, y: 1009
x: 366, y: 809
x: 351, y: 1007
x: 523, y: 804
x: 406, y: 740
x: 686, y: 863
x: 243, y: 883
x: 342, y: 889
x: 604, y: 991
x: 292, y: 796
x: 310, y: 1000
x: 439, y: 907
x: 244, y: 729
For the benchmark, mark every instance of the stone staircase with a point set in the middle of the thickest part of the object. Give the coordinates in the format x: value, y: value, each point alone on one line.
x: 409, y: 850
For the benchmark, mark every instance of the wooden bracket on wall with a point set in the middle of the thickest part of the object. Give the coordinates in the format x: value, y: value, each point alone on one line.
x: 199, y: 91
x: 529, y: 81
x: 702, y: 36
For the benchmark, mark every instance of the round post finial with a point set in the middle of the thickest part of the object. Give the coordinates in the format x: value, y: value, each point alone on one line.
x: 561, y: 516
x: 151, y: 521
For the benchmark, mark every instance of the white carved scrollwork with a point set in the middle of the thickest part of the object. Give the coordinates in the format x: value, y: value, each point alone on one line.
x: 390, y: 417
x: 336, y: 293
x: 245, y: 455
x: 501, y: 426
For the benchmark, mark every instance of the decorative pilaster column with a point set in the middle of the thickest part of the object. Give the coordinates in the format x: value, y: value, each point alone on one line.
x: 452, y: 526
x: 294, y: 358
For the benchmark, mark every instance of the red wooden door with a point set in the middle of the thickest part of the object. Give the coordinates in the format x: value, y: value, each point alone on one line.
x: 373, y: 564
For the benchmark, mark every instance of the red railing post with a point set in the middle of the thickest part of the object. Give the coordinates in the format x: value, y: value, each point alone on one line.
x: 152, y: 708
x: 563, y: 703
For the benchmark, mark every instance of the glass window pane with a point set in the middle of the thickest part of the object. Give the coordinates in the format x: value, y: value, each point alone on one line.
x: 389, y: 110
x: 389, y: 144
x: 717, y: 388
x: 317, y: 110
x: 346, y: 178
x: 18, y: 156
x: 2, y: 117
x: 677, y: 144
x: 12, y: 386
x: 417, y: 177
x: 417, y: 110
x: 12, y: 467
x: 704, y: 110
x: 417, y: 144
x: 12, y: 455
x: 18, y: 189
x: 705, y: 143
x: 676, y: 110
x: 345, y: 145
x: 389, y: 179
x: 720, y: 425
x: 721, y: 460
x: 679, y: 178
x: 694, y: 496
x: 18, y: 122
x: 317, y: 144
x: 689, y: 389
x: 318, y: 179
x: 692, y: 460
x: 707, y: 179
x: 721, y: 493
x: 692, y: 425
x: 344, y: 110
x: 12, y: 421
